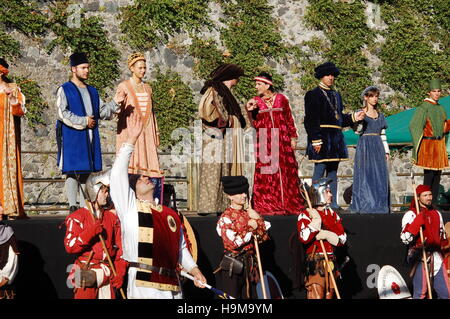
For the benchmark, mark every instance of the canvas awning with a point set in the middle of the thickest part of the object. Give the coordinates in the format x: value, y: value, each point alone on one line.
x: 397, y: 132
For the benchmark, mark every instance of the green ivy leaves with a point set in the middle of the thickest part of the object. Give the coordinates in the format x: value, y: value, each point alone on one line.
x: 173, y: 105
x: 148, y: 23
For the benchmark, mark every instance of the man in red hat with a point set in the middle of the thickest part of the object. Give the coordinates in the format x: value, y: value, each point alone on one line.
x: 435, y: 238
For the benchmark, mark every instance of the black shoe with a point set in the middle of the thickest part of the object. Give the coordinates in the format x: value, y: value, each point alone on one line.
x: 72, y: 209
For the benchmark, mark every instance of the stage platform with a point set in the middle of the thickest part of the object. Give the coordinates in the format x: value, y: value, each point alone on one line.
x: 373, y: 241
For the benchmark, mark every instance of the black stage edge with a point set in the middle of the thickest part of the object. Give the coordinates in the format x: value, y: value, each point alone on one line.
x: 373, y: 241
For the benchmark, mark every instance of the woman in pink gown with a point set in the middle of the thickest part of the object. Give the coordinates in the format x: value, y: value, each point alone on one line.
x: 276, y: 183
x: 136, y: 96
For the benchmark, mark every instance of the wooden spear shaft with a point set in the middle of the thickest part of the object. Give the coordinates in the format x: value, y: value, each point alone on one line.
x: 111, y: 264
x: 330, y: 271
x: 261, y: 275
x: 258, y: 258
x: 424, y: 254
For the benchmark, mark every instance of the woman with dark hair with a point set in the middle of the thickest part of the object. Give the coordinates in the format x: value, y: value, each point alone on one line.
x: 219, y: 112
x: 370, y: 174
x: 276, y: 184
x: 12, y: 107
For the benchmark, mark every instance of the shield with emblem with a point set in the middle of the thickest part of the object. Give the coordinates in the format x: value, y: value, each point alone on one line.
x: 192, y: 241
x: 391, y: 284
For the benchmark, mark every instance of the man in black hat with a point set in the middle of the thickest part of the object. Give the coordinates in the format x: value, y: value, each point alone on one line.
x: 222, y: 117
x: 237, y: 227
x: 323, y: 122
x: 79, y: 110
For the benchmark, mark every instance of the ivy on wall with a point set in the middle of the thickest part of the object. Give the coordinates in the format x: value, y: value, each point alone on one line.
x: 148, y: 23
x: 91, y: 38
x: 24, y: 17
x: 251, y: 40
x: 173, y: 105
x: 35, y: 103
x: 9, y: 47
x: 416, y: 48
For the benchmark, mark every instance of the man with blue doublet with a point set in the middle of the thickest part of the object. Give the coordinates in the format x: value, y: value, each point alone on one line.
x: 79, y: 108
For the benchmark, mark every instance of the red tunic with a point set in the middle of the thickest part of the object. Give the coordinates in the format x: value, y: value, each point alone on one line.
x: 79, y: 240
x: 236, y: 235
x: 433, y: 229
x: 160, y: 248
x: 330, y: 221
x: 276, y: 183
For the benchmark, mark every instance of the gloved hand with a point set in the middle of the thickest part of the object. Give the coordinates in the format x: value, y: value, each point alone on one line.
x: 117, y: 281
x: 329, y: 236
x: 316, y: 220
x: 91, y: 231
x: 414, y: 227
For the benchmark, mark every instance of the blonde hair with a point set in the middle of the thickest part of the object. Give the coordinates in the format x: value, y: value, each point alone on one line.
x: 137, y: 56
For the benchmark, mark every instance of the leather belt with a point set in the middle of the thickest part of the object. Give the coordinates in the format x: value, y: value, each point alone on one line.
x: 433, y: 137
x: 157, y: 270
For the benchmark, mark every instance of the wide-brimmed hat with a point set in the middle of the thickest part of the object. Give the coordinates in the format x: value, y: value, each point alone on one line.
x: 233, y: 185
x: 327, y: 68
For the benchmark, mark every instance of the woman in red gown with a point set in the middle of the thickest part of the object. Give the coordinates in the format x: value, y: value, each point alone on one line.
x: 276, y: 183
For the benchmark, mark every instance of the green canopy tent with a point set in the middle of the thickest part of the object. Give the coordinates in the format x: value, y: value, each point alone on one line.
x: 397, y: 132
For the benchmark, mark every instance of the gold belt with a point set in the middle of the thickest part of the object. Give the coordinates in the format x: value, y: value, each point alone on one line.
x: 331, y: 126
x: 371, y: 134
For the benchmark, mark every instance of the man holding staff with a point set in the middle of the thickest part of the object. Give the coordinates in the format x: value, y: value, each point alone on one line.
x: 92, y: 274
x: 320, y: 228
x: 239, y: 228
x: 428, y: 222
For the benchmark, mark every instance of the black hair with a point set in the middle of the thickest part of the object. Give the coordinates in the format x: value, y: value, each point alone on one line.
x: 6, y: 65
x: 269, y: 77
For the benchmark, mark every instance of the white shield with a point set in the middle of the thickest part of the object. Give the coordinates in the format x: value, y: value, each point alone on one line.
x: 391, y: 284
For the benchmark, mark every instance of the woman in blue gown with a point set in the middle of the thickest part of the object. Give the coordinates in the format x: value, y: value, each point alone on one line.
x: 370, y: 174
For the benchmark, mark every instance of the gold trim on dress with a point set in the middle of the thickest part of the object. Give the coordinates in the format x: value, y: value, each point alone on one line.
x: 330, y: 160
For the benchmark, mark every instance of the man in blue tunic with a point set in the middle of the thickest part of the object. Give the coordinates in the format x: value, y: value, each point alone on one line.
x: 79, y: 110
x: 323, y: 122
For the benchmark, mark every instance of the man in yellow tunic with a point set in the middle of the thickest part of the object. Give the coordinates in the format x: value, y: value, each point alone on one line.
x: 428, y: 127
x: 12, y: 107
x: 219, y: 111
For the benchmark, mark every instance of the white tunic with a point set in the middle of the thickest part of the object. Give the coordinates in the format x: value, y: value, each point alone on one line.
x: 11, y: 267
x: 124, y: 199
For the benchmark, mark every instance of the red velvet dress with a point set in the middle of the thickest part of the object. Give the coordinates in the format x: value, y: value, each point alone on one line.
x: 276, y: 183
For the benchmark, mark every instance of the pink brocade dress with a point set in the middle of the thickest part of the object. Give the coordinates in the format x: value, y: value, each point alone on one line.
x: 276, y: 183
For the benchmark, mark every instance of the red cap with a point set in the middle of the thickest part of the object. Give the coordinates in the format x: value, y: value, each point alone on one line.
x: 422, y: 188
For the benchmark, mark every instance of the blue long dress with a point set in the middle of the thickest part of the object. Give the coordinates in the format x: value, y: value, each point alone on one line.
x: 370, y: 174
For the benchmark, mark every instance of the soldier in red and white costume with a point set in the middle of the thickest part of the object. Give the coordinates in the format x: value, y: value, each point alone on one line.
x: 320, y: 223
x: 236, y: 226
x: 82, y: 239
x: 435, y: 238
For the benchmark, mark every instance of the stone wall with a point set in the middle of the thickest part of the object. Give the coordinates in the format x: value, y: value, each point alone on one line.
x: 50, y: 72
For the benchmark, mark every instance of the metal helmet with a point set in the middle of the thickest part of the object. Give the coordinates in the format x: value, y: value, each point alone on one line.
x: 95, y: 181
x: 317, y: 192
